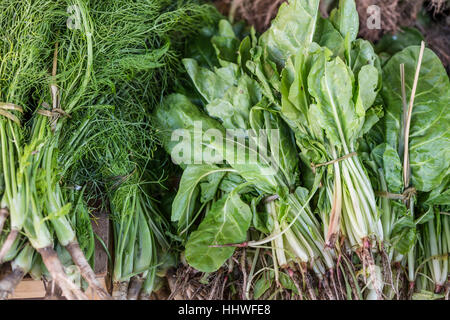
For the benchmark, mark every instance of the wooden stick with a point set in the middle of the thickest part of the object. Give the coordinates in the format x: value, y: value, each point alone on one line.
x: 406, y: 168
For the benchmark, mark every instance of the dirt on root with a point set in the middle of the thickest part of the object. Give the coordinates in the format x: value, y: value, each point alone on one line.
x: 394, y: 15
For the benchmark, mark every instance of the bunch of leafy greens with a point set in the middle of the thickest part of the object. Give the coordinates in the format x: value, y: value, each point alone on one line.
x: 236, y: 153
x: 115, y: 52
x: 424, y: 172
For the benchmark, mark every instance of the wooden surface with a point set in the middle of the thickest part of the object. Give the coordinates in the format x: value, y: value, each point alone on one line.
x: 35, y: 289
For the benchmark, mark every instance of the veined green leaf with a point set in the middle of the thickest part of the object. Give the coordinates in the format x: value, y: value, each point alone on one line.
x: 292, y: 29
x: 211, y: 85
x: 429, y: 143
x: 330, y: 83
x: 226, y: 44
x: 345, y: 19
x: 226, y: 222
x: 184, y: 202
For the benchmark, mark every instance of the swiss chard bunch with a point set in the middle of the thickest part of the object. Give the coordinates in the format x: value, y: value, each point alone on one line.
x: 246, y: 172
x: 411, y: 158
x: 324, y: 82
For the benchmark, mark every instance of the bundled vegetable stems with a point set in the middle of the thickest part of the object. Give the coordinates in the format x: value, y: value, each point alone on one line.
x: 326, y: 166
x: 312, y: 75
x: 296, y: 240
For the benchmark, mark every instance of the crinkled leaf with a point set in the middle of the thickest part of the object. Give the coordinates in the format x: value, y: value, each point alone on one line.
x: 226, y: 222
x: 234, y: 106
x: 367, y: 86
x: 429, y: 142
x: 292, y: 29
x: 330, y: 83
x: 345, y: 19
x: 211, y: 85
x: 226, y: 43
x: 363, y: 54
x: 262, y: 220
x: 405, y: 240
x: 328, y: 36
x: 209, y: 187
x: 177, y: 112
x: 184, y: 202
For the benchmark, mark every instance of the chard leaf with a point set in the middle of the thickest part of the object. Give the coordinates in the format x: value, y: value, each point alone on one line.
x: 373, y: 115
x: 328, y: 36
x: 429, y: 143
x: 281, y: 145
x: 230, y: 182
x: 367, y: 86
x: 209, y: 187
x: 262, y: 220
x: 287, y: 282
x: 362, y: 54
x: 211, y: 85
x: 265, y: 71
x: 387, y: 158
x: 405, y: 240
x: 244, y: 53
x: 201, y: 49
x: 184, y: 203
x: 330, y: 83
x: 177, y: 112
x: 427, y: 216
x: 292, y: 29
x: 233, y: 108
x: 443, y: 199
x: 426, y: 295
x: 226, y: 44
x: 345, y: 19
x: 392, y: 168
x: 226, y: 222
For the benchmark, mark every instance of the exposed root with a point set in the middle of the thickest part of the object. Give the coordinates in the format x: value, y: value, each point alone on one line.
x: 145, y: 296
x: 399, y: 287
x: 349, y: 271
x: 367, y: 260
x: 333, y: 285
x: 341, y: 290
x: 447, y: 290
x: 189, y: 284
x: 52, y: 291
x: 120, y: 290
x: 327, y: 288
x: 215, y: 286
x: 437, y: 5
x: 135, y: 287
x: 86, y: 271
x: 387, y: 271
x: 294, y: 279
x: 4, y: 213
x: 10, y: 282
x: 438, y: 288
x: 307, y: 282
x: 244, y: 273
x: 54, y: 266
x: 8, y: 243
x: 411, y: 288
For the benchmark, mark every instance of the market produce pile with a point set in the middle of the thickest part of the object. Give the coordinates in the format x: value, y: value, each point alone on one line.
x: 78, y: 79
x: 313, y: 164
